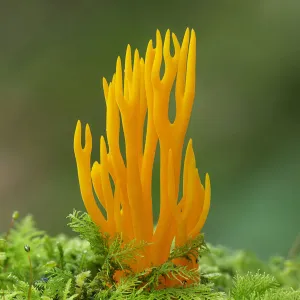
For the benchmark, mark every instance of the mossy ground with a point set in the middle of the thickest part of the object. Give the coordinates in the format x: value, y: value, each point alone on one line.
x: 34, y: 265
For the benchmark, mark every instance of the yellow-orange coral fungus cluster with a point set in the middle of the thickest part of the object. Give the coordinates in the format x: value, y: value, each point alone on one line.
x: 130, y: 96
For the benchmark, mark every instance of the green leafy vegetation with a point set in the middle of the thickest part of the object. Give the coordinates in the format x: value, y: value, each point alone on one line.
x: 34, y: 265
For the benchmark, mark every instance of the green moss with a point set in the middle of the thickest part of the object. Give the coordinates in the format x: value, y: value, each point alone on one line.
x: 83, y: 268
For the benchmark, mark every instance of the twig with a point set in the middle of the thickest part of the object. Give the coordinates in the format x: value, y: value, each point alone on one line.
x: 295, y: 249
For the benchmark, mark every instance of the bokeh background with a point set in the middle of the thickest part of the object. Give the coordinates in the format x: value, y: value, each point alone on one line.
x: 245, y: 122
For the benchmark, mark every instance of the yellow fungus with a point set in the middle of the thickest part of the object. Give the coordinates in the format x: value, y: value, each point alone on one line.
x: 132, y: 95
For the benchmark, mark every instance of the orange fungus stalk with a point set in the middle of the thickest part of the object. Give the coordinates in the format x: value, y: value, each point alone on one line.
x: 133, y: 94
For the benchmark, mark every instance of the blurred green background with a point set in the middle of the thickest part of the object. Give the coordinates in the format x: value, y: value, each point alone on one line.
x: 245, y: 122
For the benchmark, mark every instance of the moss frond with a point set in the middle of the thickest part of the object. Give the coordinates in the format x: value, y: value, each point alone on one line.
x: 85, y: 268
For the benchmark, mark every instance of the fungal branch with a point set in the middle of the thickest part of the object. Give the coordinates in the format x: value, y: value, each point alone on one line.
x: 129, y: 97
